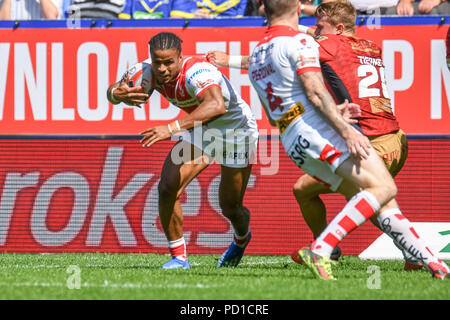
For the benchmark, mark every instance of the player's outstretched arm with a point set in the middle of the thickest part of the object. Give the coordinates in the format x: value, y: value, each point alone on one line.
x: 211, y: 106
x: 308, y: 30
x: 222, y: 60
x: 121, y: 92
x: 316, y: 92
x: 218, y: 58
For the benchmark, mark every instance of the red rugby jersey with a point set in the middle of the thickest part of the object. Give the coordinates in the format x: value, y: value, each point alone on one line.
x: 353, y: 69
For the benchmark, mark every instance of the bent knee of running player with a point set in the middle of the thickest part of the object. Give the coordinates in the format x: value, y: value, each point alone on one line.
x: 371, y: 175
x: 307, y: 187
x: 176, y: 175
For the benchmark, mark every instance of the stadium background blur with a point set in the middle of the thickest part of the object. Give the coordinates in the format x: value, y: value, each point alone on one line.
x: 75, y: 179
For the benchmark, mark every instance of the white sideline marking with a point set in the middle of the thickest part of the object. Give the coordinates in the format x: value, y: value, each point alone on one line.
x: 266, y: 262
x: 107, y: 284
x: 58, y: 266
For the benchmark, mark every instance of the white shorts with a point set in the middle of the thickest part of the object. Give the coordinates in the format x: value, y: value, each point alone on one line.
x: 317, y: 149
x: 231, y: 147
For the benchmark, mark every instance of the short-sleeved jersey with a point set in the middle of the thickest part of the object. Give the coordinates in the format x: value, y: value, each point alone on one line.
x: 275, y: 64
x: 222, y: 8
x: 274, y: 67
x: 353, y: 69
x: 196, y: 75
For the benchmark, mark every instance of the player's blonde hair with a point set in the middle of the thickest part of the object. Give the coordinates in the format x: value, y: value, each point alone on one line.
x: 339, y: 11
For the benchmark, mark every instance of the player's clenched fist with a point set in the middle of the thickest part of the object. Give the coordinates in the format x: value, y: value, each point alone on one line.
x: 218, y: 58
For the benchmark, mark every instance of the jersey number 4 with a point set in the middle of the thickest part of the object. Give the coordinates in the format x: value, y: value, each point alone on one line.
x: 274, y: 101
x: 371, y: 75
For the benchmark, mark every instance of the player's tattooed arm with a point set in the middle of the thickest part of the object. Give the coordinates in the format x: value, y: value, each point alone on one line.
x: 316, y: 92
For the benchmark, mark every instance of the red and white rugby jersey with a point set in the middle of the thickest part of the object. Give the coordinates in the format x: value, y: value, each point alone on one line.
x: 276, y: 61
x: 353, y: 69
x: 196, y: 75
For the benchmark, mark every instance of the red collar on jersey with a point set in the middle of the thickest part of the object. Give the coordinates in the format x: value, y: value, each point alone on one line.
x: 278, y: 31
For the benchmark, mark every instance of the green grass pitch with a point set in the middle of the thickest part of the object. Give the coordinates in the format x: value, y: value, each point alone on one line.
x: 138, y: 277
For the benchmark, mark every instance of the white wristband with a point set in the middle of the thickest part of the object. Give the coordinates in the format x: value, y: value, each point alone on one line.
x: 235, y: 62
x: 111, y: 96
x: 177, y: 127
x: 302, y: 28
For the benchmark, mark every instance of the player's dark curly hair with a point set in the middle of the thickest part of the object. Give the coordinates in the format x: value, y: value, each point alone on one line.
x: 165, y: 41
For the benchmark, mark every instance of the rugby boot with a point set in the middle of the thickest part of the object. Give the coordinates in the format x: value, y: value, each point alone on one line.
x: 175, y: 263
x: 233, y: 255
x: 320, y: 266
x: 439, y: 271
x: 335, y: 255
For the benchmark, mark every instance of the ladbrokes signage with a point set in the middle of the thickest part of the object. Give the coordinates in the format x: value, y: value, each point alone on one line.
x: 86, y: 194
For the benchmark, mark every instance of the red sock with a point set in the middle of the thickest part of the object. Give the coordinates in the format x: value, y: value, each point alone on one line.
x: 177, y: 249
x: 360, y: 208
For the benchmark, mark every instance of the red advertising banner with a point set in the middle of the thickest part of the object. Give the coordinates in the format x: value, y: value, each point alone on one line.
x: 94, y: 194
x: 54, y: 81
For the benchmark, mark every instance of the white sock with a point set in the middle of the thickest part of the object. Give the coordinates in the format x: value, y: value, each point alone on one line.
x: 400, y: 229
x: 177, y: 249
x: 357, y: 210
